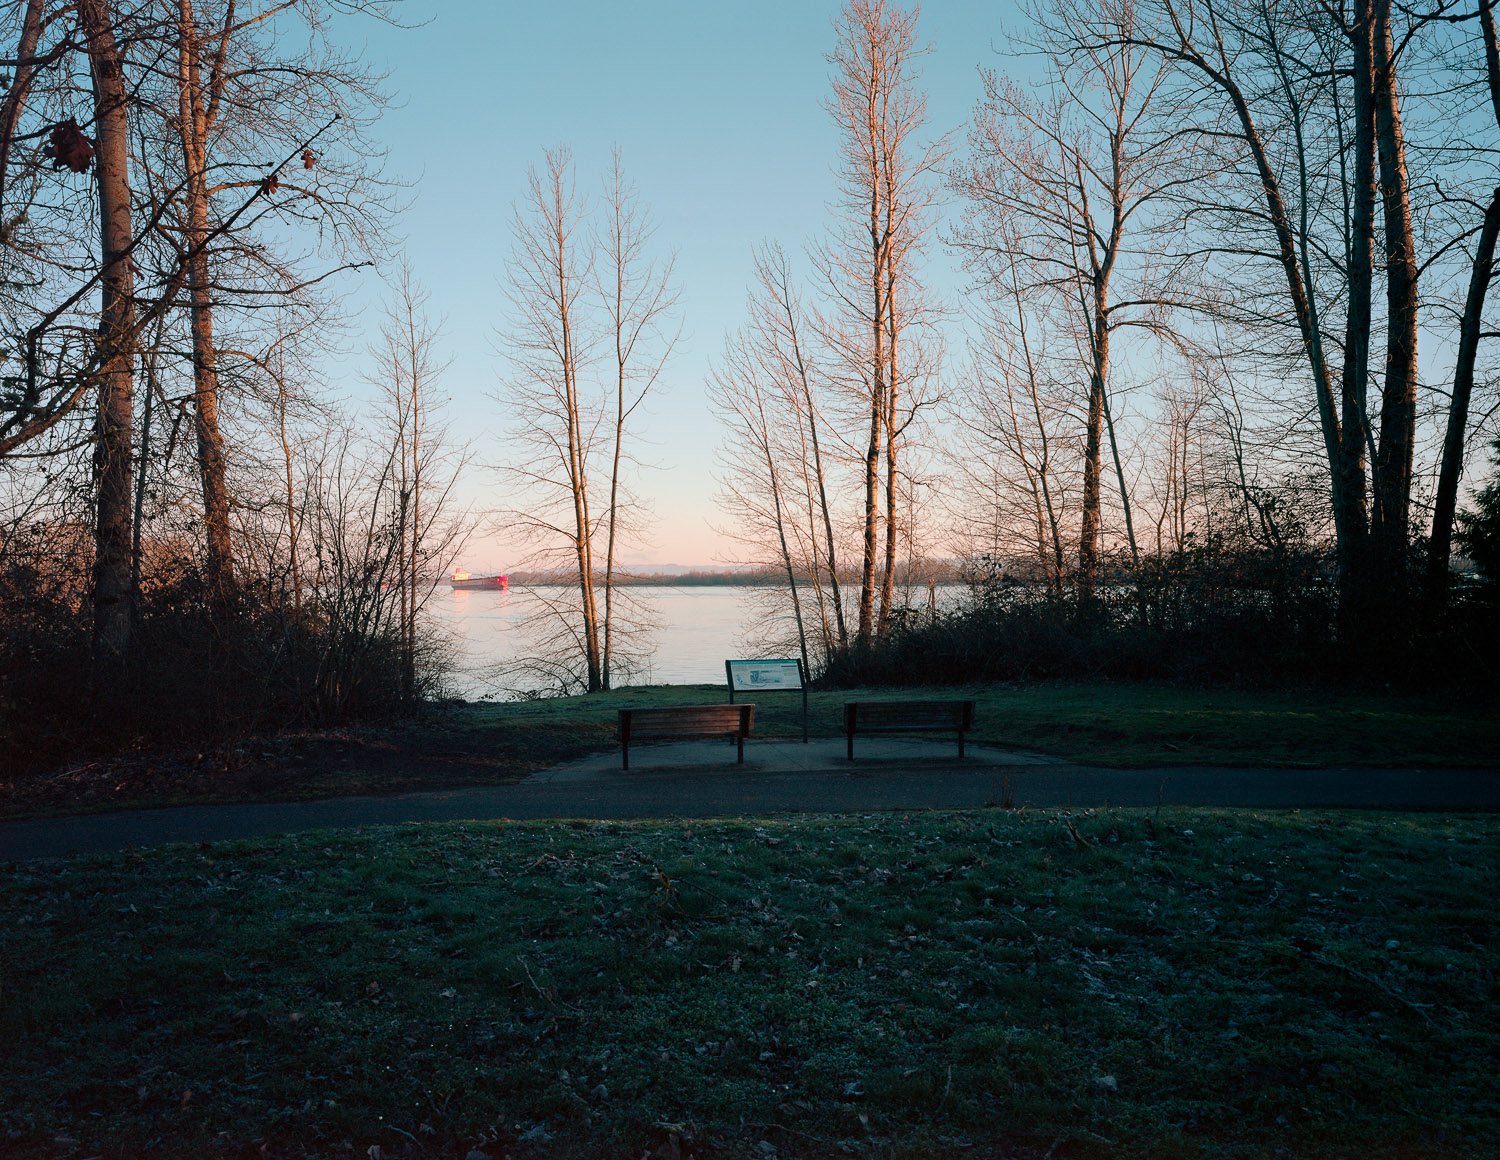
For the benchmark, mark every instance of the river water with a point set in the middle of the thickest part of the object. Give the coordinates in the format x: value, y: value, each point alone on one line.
x: 696, y: 630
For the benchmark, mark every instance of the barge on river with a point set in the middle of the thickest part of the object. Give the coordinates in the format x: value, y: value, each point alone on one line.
x: 461, y: 579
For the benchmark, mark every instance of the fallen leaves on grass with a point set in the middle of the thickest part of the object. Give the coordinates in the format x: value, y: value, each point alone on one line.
x: 991, y: 978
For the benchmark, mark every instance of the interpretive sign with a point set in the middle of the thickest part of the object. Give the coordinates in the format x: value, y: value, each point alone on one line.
x: 768, y: 677
x: 758, y: 675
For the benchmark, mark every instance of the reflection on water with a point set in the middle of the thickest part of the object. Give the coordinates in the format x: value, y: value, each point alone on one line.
x: 699, y: 628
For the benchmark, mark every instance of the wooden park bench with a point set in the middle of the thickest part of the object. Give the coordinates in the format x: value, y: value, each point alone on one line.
x: 908, y: 717
x: 677, y: 721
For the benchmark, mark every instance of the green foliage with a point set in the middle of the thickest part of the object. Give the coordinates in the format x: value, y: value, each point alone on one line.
x: 1121, y: 983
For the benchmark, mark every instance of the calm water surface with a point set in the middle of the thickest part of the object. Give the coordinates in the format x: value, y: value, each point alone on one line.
x: 699, y: 629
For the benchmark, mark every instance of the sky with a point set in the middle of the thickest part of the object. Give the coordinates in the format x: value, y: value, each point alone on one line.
x: 717, y: 109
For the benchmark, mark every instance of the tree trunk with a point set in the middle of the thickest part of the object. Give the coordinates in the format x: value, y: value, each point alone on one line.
x: 892, y: 395
x: 193, y: 128
x: 773, y: 476
x: 1088, y: 536
x: 577, y: 473
x: 1440, y: 543
x: 113, y: 611
x: 1398, y: 410
x: 409, y: 660
x: 1354, y: 388
x: 606, y: 677
x: 835, y: 593
x: 872, y: 450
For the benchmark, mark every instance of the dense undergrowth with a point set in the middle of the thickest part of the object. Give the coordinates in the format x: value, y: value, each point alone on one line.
x: 1203, y: 616
x: 198, y: 672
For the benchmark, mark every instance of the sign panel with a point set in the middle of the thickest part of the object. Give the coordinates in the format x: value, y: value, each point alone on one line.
x: 764, y: 675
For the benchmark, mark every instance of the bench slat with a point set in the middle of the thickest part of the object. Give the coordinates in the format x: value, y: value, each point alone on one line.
x: 907, y: 717
x: 685, y: 721
x: 911, y: 717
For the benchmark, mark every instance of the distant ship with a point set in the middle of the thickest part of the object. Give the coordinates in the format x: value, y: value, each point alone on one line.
x: 461, y: 579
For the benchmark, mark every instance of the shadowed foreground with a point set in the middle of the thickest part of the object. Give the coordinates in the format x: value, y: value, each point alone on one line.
x: 1128, y: 982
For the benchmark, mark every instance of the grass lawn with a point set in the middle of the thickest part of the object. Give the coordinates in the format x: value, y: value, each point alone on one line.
x: 1100, y: 723
x: 1176, y: 983
x: 1129, y: 724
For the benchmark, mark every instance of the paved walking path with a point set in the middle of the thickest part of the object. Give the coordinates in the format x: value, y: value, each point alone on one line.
x: 700, y: 779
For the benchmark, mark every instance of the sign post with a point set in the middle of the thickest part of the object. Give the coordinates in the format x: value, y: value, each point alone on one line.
x: 768, y: 677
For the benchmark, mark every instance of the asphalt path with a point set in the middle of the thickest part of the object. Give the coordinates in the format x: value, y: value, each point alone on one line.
x: 700, y: 779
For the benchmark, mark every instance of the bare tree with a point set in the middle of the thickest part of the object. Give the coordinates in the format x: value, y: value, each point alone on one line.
x: 407, y: 369
x: 551, y: 348
x: 113, y: 614
x: 198, y: 98
x: 778, y: 486
x: 1064, y: 195
x: 591, y: 326
x: 1301, y: 104
x: 755, y: 490
x: 160, y: 101
x: 1014, y: 464
x: 1398, y: 409
x: 778, y: 321
x: 885, y: 175
x: 639, y: 304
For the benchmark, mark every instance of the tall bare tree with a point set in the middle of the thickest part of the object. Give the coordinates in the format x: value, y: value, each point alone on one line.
x: 407, y: 369
x: 1398, y: 408
x: 639, y: 306
x: 777, y: 483
x: 551, y: 347
x: 1260, y: 90
x: 196, y: 103
x: 1014, y: 466
x: 113, y: 614
x: 778, y: 320
x: 745, y: 390
x: 1064, y: 192
x: 885, y: 173
x: 591, y: 325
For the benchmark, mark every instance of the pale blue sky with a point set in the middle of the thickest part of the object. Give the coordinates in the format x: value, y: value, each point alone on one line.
x: 717, y: 109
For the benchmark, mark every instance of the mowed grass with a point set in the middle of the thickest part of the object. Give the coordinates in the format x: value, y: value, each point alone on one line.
x: 485, y: 744
x: 1126, y: 983
x: 1098, y: 723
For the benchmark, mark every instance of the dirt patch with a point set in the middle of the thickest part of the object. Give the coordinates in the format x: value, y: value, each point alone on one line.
x: 290, y: 767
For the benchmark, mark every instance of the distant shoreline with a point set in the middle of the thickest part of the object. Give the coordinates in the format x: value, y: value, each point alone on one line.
x: 691, y: 579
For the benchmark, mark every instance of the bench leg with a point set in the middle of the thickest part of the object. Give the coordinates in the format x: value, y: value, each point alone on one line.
x: 625, y: 754
x: 740, y: 742
x: 960, y: 743
x: 851, y: 745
